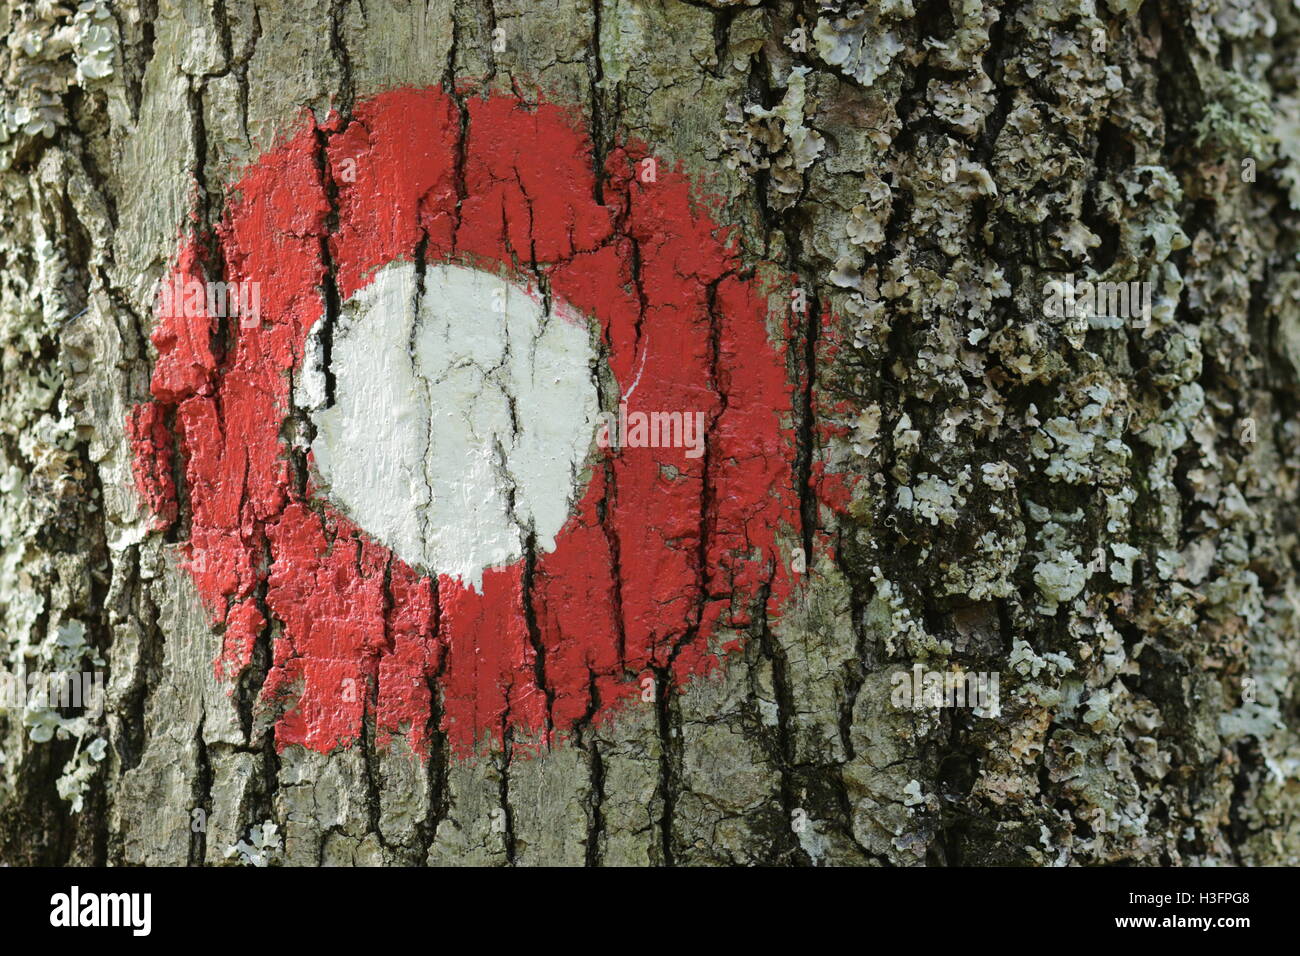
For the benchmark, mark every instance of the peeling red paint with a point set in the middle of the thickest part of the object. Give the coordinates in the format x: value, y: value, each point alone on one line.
x: 183, y: 335
x: 832, y: 489
x: 151, y: 451
x: 244, y: 622
x: 662, y: 553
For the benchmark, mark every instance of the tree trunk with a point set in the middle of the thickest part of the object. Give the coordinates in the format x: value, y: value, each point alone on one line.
x: 1102, y: 513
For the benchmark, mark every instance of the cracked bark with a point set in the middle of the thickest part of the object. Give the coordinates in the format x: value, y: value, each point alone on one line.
x: 1142, y: 750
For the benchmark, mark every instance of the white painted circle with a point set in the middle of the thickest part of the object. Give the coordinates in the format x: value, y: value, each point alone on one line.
x: 462, y: 415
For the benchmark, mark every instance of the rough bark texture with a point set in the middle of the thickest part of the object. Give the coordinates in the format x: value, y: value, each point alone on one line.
x: 925, y: 166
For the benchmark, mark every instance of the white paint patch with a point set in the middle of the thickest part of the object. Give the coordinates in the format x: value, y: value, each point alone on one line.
x: 461, y: 419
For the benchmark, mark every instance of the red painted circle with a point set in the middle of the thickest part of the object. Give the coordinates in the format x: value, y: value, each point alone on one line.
x: 664, y: 557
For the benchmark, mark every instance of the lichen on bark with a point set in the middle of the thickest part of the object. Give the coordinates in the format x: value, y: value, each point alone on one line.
x: 1102, y: 513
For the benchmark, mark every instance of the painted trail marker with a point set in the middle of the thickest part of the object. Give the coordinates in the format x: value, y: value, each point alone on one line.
x: 458, y: 529
x: 464, y: 408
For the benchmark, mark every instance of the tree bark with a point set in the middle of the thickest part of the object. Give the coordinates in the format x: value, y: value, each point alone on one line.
x: 1102, y: 515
